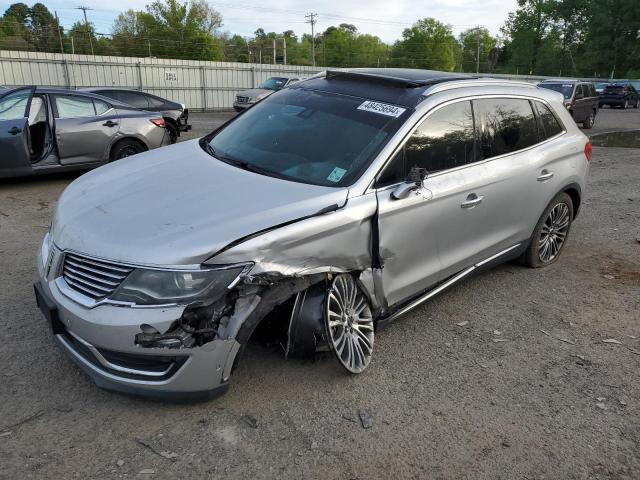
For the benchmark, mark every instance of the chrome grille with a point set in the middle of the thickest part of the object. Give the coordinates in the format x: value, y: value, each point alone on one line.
x: 241, y: 99
x: 91, y: 277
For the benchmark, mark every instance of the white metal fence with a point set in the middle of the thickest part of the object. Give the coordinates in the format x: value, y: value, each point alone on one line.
x: 198, y: 84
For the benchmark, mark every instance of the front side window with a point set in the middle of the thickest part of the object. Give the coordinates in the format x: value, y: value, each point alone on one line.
x: 505, y: 125
x: 14, y: 105
x: 444, y: 140
x: 70, y: 106
x: 307, y: 136
x: 134, y: 99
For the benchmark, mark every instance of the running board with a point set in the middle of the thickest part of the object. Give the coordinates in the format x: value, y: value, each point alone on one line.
x: 443, y: 286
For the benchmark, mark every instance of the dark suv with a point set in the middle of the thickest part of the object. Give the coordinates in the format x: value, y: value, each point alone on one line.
x: 580, y: 98
x: 620, y: 95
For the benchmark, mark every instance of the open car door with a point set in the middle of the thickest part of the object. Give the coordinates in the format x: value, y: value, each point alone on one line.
x: 15, y: 157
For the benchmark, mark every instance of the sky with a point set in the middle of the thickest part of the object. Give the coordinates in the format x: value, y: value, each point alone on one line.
x: 384, y: 18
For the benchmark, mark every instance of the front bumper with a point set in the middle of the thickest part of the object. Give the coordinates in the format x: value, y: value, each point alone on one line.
x: 100, y: 341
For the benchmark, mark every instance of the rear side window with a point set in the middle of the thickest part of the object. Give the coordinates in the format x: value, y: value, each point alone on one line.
x: 548, y: 121
x: 443, y: 140
x: 505, y: 125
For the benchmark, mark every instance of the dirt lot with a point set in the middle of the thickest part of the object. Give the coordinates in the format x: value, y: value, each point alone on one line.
x: 527, y: 389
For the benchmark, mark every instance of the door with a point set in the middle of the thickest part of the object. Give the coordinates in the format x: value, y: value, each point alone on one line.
x: 15, y: 157
x: 85, y: 128
x: 440, y: 227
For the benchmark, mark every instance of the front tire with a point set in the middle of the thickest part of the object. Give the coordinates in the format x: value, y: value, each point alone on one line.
x: 588, y: 123
x: 349, y: 323
x: 551, y: 232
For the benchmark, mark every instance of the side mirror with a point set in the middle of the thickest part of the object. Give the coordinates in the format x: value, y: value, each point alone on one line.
x: 414, y: 181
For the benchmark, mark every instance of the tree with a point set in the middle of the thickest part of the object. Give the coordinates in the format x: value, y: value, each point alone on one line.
x: 476, y: 41
x: 28, y: 28
x: 427, y: 44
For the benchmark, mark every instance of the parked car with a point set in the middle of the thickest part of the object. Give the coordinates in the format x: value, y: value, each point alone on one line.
x: 620, y: 95
x: 43, y: 129
x: 600, y: 86
x: 580, y: 98
x: 246, y: 98
x: 176, y: 115
x: 322, y: 213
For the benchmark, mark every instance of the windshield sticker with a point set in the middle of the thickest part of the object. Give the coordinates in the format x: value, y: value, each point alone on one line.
x: 382, y: 108
x: 336, y: 175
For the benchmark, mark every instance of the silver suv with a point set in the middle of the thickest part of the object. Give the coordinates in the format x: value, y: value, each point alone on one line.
x: 325, y: 211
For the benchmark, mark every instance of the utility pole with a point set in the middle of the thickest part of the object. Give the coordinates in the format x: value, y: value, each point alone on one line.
x: 59, y: 32
x: 86, y: 24
x: 312, y: 20
x: 478, y: 49
x: 274, y: 51
x: 73, y: 47
x: 149, y: 45
x: 284, y: 46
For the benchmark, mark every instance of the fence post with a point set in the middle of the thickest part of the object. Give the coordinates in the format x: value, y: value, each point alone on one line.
x: 139, y: 76
x: 67, y: 77
x: 203, y: 84
x: 253, y: 77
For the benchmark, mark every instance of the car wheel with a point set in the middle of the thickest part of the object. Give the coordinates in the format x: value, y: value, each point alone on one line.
x: 125, y: 148
x: 588, y: 123
x: 550, y: 233
x: 173, y: 133
x: 349, y: 324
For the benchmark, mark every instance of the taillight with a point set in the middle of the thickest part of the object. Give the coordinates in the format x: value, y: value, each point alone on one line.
x: 587, y: 151
x: 158, y: 122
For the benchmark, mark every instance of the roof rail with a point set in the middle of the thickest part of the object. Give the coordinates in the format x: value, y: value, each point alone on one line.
x: 390, y: 79
x: 480, y: 82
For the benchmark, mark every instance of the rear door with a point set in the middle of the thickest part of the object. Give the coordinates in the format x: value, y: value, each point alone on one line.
x: 85, y: 128
x: 15, y: 157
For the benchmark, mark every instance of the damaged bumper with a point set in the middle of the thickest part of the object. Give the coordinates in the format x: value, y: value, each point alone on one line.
x: 101, y: 341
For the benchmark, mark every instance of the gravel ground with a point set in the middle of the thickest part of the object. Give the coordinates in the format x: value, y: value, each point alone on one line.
x: 527, y: 389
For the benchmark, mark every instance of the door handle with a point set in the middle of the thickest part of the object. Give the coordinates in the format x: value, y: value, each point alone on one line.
x: 15, y: 130
x: 109, y: 123
x: 545, y: 175
x: 472, y: 200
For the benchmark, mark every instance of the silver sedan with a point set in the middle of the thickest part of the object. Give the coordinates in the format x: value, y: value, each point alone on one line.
x: 323, y: 212
x: 44, y: 130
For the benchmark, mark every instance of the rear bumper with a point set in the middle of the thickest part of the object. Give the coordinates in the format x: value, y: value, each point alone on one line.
x: 100, y: 341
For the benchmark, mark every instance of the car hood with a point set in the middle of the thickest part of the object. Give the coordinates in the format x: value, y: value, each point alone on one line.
x: 177, y: 206
x: 255, y: 92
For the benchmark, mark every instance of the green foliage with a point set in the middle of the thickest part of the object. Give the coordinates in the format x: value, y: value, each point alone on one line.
x: 476, y: 41
x: 29, y: 28
x: 427, y: 44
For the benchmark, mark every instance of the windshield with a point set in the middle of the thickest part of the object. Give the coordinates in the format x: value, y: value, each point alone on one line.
x: 601, y: 85
x: 565, y: 89
x: 274, y: 83
x: 307, y: 136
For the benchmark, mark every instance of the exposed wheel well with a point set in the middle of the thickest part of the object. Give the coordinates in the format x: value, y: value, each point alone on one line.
x: 574, y: 193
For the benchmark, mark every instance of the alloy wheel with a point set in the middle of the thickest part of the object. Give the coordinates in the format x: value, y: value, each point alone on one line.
x: 553, y: 233
x: 349, y: 324
x: 127, y: 152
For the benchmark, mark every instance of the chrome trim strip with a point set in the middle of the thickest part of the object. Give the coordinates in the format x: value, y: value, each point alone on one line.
x: 107, y: 364
x: 63, y: 341
x: 448, y: 283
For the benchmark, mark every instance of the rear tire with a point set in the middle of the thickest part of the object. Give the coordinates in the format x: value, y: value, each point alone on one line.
x: 125, y: 148
x: 551, y: 232
x: 173, y: 133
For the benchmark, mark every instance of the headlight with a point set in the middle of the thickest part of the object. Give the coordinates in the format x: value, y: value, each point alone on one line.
x: 252, y: 100
x: 45, y: 249
x: 159, y: 287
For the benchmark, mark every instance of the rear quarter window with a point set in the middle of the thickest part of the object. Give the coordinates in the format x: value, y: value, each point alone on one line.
x: 505, y: 125
x: 549, y: 125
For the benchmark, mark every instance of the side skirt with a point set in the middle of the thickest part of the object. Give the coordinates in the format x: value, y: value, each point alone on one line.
x: 497, y: 258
